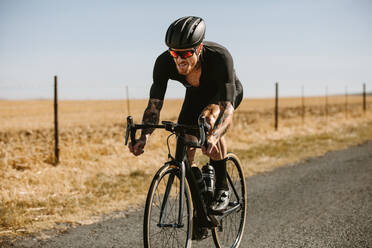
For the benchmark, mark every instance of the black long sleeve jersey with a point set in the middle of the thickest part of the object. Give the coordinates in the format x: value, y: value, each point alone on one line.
x: 218, y: 81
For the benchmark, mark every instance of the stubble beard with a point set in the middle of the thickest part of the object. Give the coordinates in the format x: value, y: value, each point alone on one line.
x: 188, y: 69
x: 184, y: 70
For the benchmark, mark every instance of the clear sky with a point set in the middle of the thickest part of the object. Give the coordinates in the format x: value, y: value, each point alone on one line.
x: 97, y: 48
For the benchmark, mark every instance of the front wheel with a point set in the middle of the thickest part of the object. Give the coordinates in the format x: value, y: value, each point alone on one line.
x: 230, y: 230
x: 161, y: 226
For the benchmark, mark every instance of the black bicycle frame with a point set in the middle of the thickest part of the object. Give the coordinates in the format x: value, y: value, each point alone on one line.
x: 180, y: 160
x: 200, y: 207
x: 182, y: 163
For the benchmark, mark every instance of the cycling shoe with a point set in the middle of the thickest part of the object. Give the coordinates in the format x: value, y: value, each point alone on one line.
x: 221, y: 200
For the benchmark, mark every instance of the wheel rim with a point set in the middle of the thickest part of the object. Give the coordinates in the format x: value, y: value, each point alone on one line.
x: 230, y: 232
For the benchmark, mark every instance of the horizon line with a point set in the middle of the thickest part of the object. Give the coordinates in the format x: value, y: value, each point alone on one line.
x: 181, y: 98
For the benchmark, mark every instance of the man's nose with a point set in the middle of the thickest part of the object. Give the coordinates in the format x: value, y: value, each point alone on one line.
x: 179, y: 59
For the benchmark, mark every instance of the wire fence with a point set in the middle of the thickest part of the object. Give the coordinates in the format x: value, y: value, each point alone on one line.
x: 306, y: 107
x: 363, y: 104
x: 325, y: 108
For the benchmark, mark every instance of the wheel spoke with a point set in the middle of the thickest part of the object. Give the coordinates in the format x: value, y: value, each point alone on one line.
x: 233, y: 223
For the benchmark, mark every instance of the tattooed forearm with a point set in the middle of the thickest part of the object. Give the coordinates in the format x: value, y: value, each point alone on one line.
x: 223, y: 120
x: 151, y: 114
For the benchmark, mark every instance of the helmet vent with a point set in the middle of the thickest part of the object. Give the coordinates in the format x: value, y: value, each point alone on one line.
x: 185, y: 31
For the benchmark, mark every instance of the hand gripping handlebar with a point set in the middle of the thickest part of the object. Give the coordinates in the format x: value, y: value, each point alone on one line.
x: 178, y: 129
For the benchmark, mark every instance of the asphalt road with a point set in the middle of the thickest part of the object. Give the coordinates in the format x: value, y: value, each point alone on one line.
x: 323, y: 202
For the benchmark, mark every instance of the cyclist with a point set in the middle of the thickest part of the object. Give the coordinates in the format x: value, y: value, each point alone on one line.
x: 212, y: 90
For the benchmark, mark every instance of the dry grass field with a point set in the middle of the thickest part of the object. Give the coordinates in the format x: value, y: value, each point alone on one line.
x: 97, y: 175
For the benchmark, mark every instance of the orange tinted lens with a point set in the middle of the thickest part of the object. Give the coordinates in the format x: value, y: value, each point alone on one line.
x: 173, y: 53
x: 183, y: 54
x: 187, y: 54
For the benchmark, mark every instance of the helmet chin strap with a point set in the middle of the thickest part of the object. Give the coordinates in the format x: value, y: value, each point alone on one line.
x: 199, y: 51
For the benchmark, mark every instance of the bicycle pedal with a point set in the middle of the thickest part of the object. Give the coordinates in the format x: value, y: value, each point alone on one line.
x: 217, y: 213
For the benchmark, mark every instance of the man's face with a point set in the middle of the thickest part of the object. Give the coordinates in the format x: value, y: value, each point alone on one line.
x: 186, y: 65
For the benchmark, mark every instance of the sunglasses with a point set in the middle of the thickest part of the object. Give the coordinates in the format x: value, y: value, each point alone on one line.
x: 183, y: 54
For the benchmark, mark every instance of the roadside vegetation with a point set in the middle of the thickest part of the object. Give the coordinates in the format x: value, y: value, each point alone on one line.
x: 97, y: 175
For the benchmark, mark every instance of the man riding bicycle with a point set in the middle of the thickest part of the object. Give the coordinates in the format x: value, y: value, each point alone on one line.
x: 212, y: 90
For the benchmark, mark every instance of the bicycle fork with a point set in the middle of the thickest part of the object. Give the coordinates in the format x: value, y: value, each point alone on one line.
x: 168, y: 189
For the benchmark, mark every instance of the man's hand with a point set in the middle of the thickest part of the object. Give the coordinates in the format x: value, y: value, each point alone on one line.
x: 212, y: 150
x: 139, y: 147
x: 150, y: 116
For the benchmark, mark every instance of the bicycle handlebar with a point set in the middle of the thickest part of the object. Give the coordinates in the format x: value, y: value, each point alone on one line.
x: 178, y: 129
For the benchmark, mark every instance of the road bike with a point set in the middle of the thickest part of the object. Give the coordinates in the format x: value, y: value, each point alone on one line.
x: 176, y: 210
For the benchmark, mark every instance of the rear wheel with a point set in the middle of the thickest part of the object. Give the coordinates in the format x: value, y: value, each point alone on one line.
x: 230, y: 230
x: 161, y: 227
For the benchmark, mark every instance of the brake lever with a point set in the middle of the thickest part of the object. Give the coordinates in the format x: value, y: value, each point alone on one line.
x: 129, y: 131
x: 203, y: 127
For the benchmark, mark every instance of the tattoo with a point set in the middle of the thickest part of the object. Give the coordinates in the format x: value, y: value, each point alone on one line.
x: 224, y: 119
x: 151, y: 114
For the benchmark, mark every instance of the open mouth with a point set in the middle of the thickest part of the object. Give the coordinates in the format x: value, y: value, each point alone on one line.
x: 183, y: 66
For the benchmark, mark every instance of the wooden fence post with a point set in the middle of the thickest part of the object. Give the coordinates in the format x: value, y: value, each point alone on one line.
x: 303, y: 105
x: 326, y: 105
x: 276, y: 105
x: 346, y: 103
x: 364, y: 98
x: 128, y: 101
x: 56, y: 140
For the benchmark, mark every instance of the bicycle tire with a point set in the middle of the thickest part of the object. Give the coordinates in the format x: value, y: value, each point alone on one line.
x: 155, y: 236
x: 230, y: 230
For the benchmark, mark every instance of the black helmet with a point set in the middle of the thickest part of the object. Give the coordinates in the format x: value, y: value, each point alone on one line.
x: 185, y: 32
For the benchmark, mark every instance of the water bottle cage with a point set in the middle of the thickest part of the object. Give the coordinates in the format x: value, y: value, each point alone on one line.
x: 205, y: 180
x: 208, y: 177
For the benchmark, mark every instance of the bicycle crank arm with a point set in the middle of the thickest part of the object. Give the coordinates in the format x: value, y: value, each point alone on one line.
x: 227, y: 212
